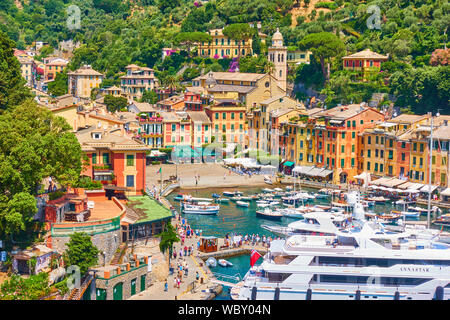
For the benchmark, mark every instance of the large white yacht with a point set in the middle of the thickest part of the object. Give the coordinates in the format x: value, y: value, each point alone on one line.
x: 362, y: 263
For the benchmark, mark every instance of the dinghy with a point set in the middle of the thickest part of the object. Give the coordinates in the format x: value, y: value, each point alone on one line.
x: 225, y: 263
x: 242, y: 204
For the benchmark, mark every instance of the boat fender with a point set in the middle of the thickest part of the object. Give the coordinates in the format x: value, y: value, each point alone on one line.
x: 277, y: 294
x: 358, y: 295
x: 308, y: 294
x: 397, y: 295
x: 439, y: 294
x: 254, y: 292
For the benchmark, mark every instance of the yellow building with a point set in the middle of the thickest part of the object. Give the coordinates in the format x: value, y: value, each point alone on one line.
x: 259, y: 121
x: 82, y: 81
x: 228, y: 121
x: 250, y: 89
x: 223, y: 47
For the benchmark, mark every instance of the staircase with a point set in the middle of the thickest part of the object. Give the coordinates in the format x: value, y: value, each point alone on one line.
x: 77, y: 293
x: 119, y: 254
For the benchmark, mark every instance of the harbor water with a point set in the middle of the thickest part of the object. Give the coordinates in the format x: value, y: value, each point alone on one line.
x: 240, y: 220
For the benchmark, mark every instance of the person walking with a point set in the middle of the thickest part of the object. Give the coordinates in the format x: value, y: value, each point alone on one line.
x: 166, y: 287
x: 197, y: 276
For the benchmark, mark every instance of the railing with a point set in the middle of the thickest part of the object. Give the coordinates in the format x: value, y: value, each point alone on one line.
x: 110, y: 225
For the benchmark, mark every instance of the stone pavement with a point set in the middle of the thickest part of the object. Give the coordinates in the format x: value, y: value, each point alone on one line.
x: 156, y: 291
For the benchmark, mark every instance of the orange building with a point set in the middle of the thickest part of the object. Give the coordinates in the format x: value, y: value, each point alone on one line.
x: 228, y: 121
x: 114, y: 158
x: 366, y: 62
x: 53, y: 67
x: 338, y: 129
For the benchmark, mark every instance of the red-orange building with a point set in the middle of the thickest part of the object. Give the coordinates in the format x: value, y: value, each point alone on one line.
x: 366, y: 62
x: 114, y: 158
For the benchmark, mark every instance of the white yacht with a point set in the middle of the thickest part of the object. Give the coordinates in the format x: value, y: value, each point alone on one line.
x: 361, y: 262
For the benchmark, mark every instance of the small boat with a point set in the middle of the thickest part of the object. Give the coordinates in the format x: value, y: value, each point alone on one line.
x: 267, y: 180
x: 242, y: 204
x: 267, y: 204
x: 380, y: 200
x: 215, y: 195
x: 321, y: 196
x: 229, y: 193
x: 278, y: 189
x: 225, y: 263
x: 407, y: 214
x: 238, y: 193
x: 290, y: 213
x: 211, y: 262
x: 288, y: 188
x: 269, y: 214
x: 246, y: 198
x: 443, y: 220
x: 267, y: 190
x: 235, y: 198
x: 204, y: 208
x: 222, y: 200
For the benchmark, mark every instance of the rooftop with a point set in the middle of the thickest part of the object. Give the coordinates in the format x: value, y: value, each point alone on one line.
x: 145, y: 209
x: 199, y: 116
x: 366, y: 54
x: 230, y: 76
x: 85, y: 71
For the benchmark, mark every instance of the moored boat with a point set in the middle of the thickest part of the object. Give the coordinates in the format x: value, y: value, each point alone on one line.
x: 203, y: 208
x: 269, y: 214
x: 242, y: 204
x: 225, y: 263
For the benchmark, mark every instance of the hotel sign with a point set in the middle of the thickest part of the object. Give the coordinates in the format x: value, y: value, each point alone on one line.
x: 415, y: 269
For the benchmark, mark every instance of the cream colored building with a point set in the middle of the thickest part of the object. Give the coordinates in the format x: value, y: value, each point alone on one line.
x: 82, y: 81
x: 250, y: 89
x: 137, y: 80
x: 278, y: 56
x: 223, y: 47
x: 201, y: 128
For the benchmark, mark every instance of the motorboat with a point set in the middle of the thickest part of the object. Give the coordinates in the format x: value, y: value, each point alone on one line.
x: 215, y: 195
x: 242, y: 204
x: 407, y: 214
x: 268, y: 180
x: 443, y: 220
x: 278, y: 189
x: 225, y: 263
x: 199, y: 207
x: 229, y: 193
x: 211, y: 262
x: 267, y: 204
x: 379, y: 200
x: 269, y: 214
x: 222, y: 200
x: 267, y: 190
x: 290, y: 213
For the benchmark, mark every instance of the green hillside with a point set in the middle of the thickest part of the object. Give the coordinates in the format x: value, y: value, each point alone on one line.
x: 115, y: 33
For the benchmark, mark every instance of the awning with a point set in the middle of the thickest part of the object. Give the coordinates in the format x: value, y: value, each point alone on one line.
x: 302, y: 169
x: 361, y: 176
x: 288, y: 164
x: 102, y: 173
x: 393, y: 182
x: 325, y: 173
x: 427, y: 188
x: 314, y: 172
x: 446, y: 192
x: 157, y: 153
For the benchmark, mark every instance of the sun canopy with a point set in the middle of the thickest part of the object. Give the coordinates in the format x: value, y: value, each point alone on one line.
x: 427, y: 188
x: 446, y: 192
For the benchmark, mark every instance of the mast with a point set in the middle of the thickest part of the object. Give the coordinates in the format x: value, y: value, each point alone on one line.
x: 429, y: 172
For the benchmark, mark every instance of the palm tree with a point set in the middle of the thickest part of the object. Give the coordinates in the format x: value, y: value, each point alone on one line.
x: 269, y: 67
x: 168, y: 238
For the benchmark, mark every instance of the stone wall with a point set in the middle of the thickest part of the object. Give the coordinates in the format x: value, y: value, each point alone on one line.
x: 125, y: 277
x: 107, y: 242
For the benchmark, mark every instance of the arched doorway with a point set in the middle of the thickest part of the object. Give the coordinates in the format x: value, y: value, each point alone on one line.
x: 343, y: 177
x: 118, y: 291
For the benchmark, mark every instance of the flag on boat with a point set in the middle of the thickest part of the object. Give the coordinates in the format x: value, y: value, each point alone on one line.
x: 254, y: 256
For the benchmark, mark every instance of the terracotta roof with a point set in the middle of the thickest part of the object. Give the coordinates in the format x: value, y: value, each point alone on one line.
x: 342, y: 112
x: 112, y: 139
x: 199, y: 116
x: 144, y: 106
x: 443, y: 132
x: 85, y: 71
x: 236, y: 76
x: 280, y: 112
x: 169, y: 117
x: 366, y: 54
x: 408, y: 118
x: 230, y: 88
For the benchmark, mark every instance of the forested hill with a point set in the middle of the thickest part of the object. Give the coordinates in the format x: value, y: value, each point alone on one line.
x: 115, y: 33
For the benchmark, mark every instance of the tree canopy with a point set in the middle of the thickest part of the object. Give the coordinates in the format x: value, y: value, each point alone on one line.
x: 12, y: 84
x: 35, y: 144
x: 324, y: 46
x: 81, y: 252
